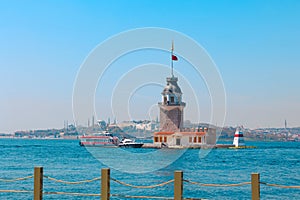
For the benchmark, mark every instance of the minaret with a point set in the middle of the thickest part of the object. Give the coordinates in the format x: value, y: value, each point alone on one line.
x: 171, y: 107
x: 285, y: 124
x: 93, y: 121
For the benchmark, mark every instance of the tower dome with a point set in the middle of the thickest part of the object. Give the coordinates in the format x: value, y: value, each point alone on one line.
x: 171, y: 94
x: 172, y: 86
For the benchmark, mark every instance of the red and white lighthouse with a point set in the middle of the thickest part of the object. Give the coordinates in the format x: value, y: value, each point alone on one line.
x: 238, y: 138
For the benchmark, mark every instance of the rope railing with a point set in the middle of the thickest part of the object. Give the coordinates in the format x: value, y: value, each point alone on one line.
x: 281, y: 186
x: 73, y: 194
x: 142, y: 186
x: 15, y: 191
x: 72, y: 182
x: 105, y: 186
x: 16, y: 179
x: 216, y: 185
x: 140, y: 197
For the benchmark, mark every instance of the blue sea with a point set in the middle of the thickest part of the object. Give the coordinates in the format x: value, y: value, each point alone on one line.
x: 277, y: 162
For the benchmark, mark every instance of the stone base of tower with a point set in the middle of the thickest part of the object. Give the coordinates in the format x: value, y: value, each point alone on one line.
x: 171, y: 118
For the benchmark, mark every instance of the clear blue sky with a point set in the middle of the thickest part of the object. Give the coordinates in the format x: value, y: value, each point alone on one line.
x: 255, y: 44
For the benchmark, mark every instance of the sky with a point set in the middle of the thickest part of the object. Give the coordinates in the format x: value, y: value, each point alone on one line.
x: 254, y: 44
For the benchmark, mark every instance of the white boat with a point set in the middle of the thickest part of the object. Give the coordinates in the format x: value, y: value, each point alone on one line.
x: 128, y: 143
x: 104, y: 139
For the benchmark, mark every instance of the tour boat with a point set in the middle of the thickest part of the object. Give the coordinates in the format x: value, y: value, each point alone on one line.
x: 128, y: 143
x: 99, y: 140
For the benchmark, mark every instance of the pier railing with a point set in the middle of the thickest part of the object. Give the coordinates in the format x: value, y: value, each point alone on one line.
x: 105, y: 181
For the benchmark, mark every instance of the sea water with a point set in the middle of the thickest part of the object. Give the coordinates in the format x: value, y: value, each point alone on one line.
x: 277, y: 162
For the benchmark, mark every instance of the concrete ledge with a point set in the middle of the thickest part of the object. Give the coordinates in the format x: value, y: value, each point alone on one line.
x: 217, y: 146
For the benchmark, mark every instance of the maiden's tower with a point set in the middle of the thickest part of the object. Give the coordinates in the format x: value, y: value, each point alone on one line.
x: 172, y: 132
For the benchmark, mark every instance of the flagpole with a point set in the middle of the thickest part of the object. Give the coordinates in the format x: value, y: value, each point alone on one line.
x: 172, y: 49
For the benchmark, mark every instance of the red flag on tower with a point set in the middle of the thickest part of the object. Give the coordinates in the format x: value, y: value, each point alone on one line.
x: 174, y: 57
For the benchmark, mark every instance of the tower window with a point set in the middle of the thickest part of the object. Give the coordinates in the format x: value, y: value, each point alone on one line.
x: 165, y: 100
x: 172, y: 99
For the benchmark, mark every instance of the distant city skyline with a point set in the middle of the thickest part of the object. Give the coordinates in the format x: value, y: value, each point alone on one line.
x: 255, y: 45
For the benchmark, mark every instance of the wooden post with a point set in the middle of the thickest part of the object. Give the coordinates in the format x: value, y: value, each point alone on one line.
x: 178, y: 185
x: 38, y: 183
x: 105, y: 184
x: 255, y: 186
